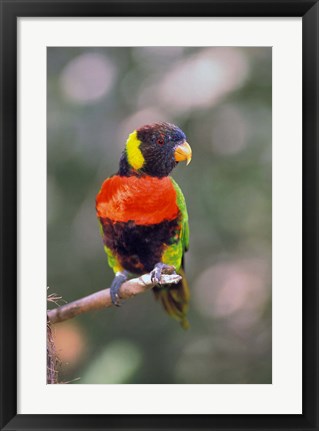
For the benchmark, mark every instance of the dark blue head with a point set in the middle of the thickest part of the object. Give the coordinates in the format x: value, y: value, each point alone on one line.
x: 155, y: 150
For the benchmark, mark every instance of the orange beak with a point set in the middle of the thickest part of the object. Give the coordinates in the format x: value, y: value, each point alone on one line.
x: 183, y: 152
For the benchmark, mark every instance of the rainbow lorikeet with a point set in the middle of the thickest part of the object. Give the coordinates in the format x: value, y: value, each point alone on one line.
x: 143, y: 214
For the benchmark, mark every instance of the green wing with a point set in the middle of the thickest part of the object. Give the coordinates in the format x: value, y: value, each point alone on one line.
x: 175, y: 299
x: 111, y: 258
x: 173, y: 254
x: 183, y: 209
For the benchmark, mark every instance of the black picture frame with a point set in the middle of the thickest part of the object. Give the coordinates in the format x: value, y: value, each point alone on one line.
x: 10, y: 11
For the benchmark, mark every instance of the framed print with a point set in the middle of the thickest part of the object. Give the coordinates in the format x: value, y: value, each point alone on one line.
x: 104, y: 104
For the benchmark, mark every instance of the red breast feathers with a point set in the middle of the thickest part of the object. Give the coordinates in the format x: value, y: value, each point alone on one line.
x: 145, y: 200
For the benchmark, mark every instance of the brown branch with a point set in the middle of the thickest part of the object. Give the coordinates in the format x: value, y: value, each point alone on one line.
x: 102, y: 298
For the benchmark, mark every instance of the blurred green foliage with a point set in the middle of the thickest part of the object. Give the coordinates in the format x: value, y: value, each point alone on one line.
x: 221, y: 98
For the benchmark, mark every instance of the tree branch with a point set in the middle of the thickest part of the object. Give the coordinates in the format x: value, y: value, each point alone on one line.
x: 102, y: 298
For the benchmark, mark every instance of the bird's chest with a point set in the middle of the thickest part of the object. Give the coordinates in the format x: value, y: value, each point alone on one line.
x: 138, y: 247
x: 144, y: 200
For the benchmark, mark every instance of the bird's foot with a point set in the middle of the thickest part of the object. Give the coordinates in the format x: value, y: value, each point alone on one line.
x: 160, y: 268
x: 119, y: 279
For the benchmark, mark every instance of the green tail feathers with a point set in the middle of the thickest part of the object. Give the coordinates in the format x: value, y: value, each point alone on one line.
x: 175, y: 299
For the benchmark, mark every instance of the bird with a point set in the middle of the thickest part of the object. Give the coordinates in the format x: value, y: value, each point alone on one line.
x: 143, y: 215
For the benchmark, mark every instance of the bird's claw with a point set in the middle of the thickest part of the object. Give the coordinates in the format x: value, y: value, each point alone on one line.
x: 160, y: 268
x: 119, y: 279
x: 115, y: 299
x: 156, y: 275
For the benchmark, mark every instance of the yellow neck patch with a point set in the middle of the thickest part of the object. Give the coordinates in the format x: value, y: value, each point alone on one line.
x: 133, y: 152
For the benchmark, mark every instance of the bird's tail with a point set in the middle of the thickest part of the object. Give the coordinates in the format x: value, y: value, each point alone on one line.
x: 175, y: 299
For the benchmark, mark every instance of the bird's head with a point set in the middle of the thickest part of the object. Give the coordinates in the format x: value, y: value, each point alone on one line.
x: 155, y: 150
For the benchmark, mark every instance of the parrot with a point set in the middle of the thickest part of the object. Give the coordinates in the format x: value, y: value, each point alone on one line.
x: 143, y: 216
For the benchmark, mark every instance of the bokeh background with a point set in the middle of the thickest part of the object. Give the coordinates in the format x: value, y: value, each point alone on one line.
x: 221, y: 98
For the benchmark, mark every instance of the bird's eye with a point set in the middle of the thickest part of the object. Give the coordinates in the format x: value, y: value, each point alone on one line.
x: 160, y: 141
